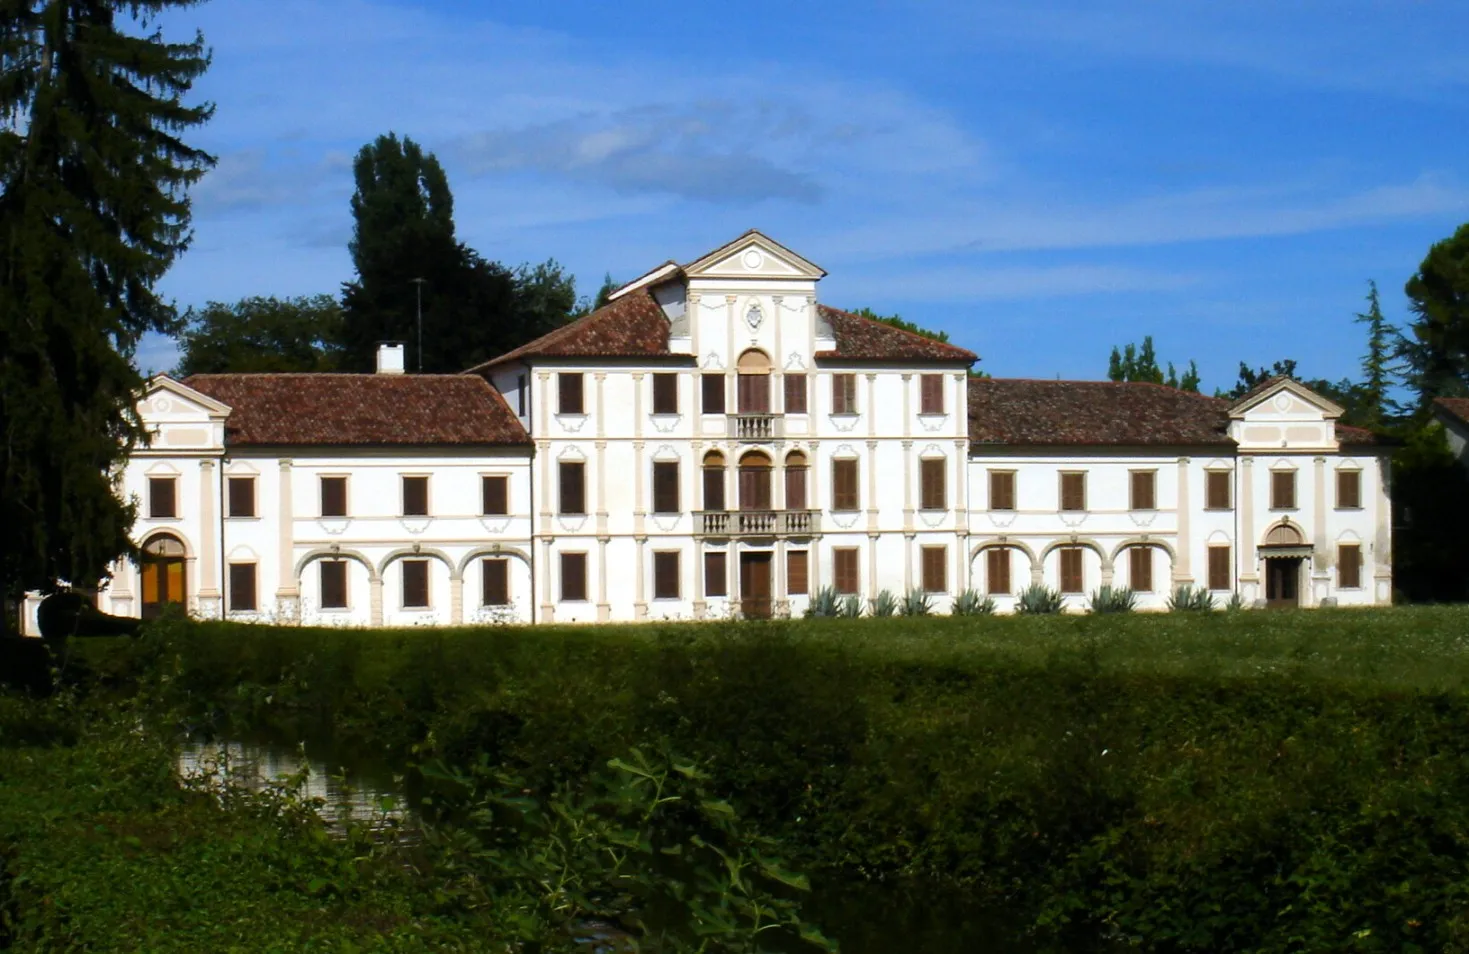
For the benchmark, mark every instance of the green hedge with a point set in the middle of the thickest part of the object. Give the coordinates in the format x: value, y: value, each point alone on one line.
x: 1211, y: 782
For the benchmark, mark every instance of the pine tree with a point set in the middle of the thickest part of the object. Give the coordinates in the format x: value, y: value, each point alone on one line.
x: 1375, y: 363
x: 93, y: 212
x: 1132, y: 363
x: 1435, y: 349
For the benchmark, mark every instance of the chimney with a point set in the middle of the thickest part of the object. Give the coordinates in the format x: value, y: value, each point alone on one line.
x: 390, y: 357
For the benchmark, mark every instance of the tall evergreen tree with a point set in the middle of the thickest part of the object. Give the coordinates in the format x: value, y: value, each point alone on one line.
x: 1133, y: 363
x: 1376, y: 363
x: 94, y: 210
x: 1436, y: 348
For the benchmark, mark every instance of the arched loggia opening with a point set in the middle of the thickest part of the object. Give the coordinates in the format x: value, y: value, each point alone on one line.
x: 165, y: 573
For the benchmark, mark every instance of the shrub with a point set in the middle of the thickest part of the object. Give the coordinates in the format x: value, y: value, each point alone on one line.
x: 972, y: 603
x: 917, y: 603
x: 1113, y: 599
x: 1236, y: 602
x: 1189, y: 599
x: 825, y: 603
x: 850, y: 607
x: 1037, y: 599
x: 886, y: 604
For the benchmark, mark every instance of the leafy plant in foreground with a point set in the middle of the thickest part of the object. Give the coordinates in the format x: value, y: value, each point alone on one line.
x: 1113, y: 599
x: 1236, y: 602
x: 917, y: 603
x: 825, y: 603
x: 972, y: 603
x: 850, y: 607
x: 885, y: 604
x: 1037, y: 599
x: 1188, y: 598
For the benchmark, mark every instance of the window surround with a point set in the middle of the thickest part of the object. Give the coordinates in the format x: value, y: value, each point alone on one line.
x: 254, y: 480
x: 346, y: 495
x: 1295, y: 490
x: 428, y: 499
x: 1061, y: 491
x: 1132, y: 476
x: 1339, y: 472
x: 1228, y: 474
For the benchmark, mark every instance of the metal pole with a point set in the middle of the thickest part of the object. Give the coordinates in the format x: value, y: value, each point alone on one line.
x: 418, y: 284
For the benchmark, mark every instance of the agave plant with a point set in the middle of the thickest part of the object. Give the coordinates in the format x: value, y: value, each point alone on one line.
x: 1039, y: 599
x: 1189, y: 598
x: 886, y: 604
x: 971, y: 603
x: 1113, y: 599
x: 825, y: 603
x: 917, y: 603
x: 850, y: 607
x: 1236, y: 602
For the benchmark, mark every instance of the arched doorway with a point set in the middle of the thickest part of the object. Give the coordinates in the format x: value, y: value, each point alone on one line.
x: 1285, y: 551
x: 165, y: 573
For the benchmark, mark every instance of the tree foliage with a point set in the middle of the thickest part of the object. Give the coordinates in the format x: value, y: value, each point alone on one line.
x: 1140, y: 363
x: 93, y: 212
x: 262, y: 334
x: 896, y: 321
x: 1377, y: 366
x: 1435, y: 348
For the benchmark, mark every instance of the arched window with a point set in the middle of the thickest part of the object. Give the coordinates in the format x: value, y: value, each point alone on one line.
x: 795, y: 471
x: 755, y: 481
x: 1284, y: 535
x: 714, y: 481
x: 753, y: 390
x: 165, y: 576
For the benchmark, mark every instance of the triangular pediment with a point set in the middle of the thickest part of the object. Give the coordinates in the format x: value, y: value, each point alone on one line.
x: 165, y: 397
x: 753, y: 255
x: 1285, y: 397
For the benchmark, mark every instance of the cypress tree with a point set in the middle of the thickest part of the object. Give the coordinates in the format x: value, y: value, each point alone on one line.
x: 1375, y: 363
x: 94, y: 210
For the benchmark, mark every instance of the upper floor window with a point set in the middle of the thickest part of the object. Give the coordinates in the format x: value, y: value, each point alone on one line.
x: 795, y: 471
x: 844, y: 394
x: 1282, y: 490
x: 755, y: 470
x: 665, y: 393
x: 665, y: 486
x: 241, y: 496
x: 1216, y: 490
x: 795, y: 393
x: 1349, y: 489
x: 163, y: 498
x: 1002, y: 490
x: 521, y: 387
x: 753, y: 383
x: 495, y: 495
x: 569, y: 393
x: 711, y: 393
x: 931, y: 394
x: 573, y: 487
x: 933, y: 483
x: 415, y: 496
x: 1144, y: 490
x: 714, y: 481
x: 844, y: 492
x: 333, y: 496
x: 1073, y: 491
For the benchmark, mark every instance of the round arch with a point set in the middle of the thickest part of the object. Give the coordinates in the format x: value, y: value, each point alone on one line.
x: 796, y: 458
x: 713, y: 458
x: 409, y: 552
x: 491, y: 551
x: 158, y: 543
x: 1284, y: 534
x: 1131, y: 542
x: 755, y: 458
x: 325, y: 554
x: 975, y: 552
x: 1084, y: 542
x: 753, y: 361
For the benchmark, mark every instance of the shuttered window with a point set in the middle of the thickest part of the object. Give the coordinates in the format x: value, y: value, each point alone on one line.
x: 1219, y: 572
x: 573, y: 577
x: 795, y: 393
x: 665, y: 486
x: 163, y: 497
x: 716, y: 574
x: 333, y: 496
x: 495, y: 496
x: 755, y: 487
x: 1140, y: 569
x: 844, y: 569
x: 798, y: 573
x: 241, y: 496
x: 935, y: 565
x: 1002, y: 490
x: 933, y: 480
x: 496, y: 579
x: 753, y: 393
x: 1071, y: 570
x: 415, y: 584
x: 333, y: 584
x: 1349, y: 566
x: 1216, y: 490
x: 714, y: 488
x: 795, y: 488
x: 569, y: 396
x: 1349, y: 489
x: 931, y: 394
x: 242, y: 588
x: 573, y: 487
x: 844, y: 494
x: 711, y: 393
x: 1282, y: 490
x: 1073, y: 491
x: 844, y: 394
x: 665, y: 575
x: 415, y: 496
x: 1144, y: 490
x: 997, y: 570
x: 665, y: 393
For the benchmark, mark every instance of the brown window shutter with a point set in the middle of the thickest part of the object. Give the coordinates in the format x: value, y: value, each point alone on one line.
x: 716, y: 574
x: 931, y: 394
x: 665, y: 393
x: 797, y: 573
x: 242, y: 588
x: 1071, y: 570
x: 496, y: 577
x: 570, y: 399
x: 242, y: 496
x: 1216, y: 490
x: 415, y: 583
x: 844, y: 569
x: 844, y: 485
x: 844, y: 394
x: 1002, y: 490
x: 665, y: 575
x: 665, y: 486
x: 711, y: 397
x: 998, y: 570
x: 1140, y: 569
x: 415, y: 496
x: 1348, y: 489
x: 1144, y: 490
x: 753, y: 392
x: 1349, y: 566
x: 1073, y: 491
x: 714, y: 488
x: 162, y: 497
x: 795, y: 396
x: 1283, y: 490
x: 495, y: 494
x: 573, y: 576
x: 935, y: 569
x: 573, y: 487
x: 933, y: 478
x: 795, y: 488
x: 334, y: 584
x: 1219, y: 570
x: 333, y: 496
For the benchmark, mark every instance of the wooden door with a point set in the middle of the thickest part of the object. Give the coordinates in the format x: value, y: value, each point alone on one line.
x: 163, y: 583
x: 1283, y: 581
x: 755, y: 585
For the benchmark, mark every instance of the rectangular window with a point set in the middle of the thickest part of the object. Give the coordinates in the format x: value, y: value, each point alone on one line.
x: 665, y: 393
x: 333, y: 584
x: 665, y: 575
x: 496, y: 577
x: 711, y: 393
x: 241, y: 496
x: 716, y: 574
x: 713, y: 488
x: 844, y: 394
x: 1073, y: 491
x: 569, y: 396
x: 1219, y: 573
x: 494, y: 496
x: 1140, y: 569
x: 933, y: 476
x: 931, y: 394
x: 844, y: 569
x: 1144, y: 490
x: 665, y: 486
x: 573, y: 577
x: 163, y: 497
x: 573, y: 487
x: 1002, y: 490
x: 1071, y: 570
x: 844, y: 496
x: 415, y: 584
x: 753, y: 393
x: 1349, y: 566
x: 242, y: 588
x: 795, y: 388
x: 997, y: 570
x: 415, y: 496
x: 795, y: 488
x: 520, y: 393
x: 798, y: 573
x: 333, y: 496
x: 1216, y: 490
x: 935, y: 565
x: 1282, y: 490
x: 1349, y: 490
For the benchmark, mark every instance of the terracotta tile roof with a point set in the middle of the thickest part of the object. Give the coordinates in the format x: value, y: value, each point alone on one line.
x: 359, y: 409
x: 1454, y: 407
x: 1041, y: 413
x: 862, y: 339
x: 633, y: 326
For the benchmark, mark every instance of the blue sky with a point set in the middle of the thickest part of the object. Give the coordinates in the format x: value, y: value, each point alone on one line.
x: 1040, y: 179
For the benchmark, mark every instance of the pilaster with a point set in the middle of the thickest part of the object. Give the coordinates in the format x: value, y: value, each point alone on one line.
x: 548, y: 582
x: 604, y: 606
x: 1182, y: 566
x: 210, y: 605
x: 640, y: 590
x: 287, y: 592
x: 375, y: 600
x: 1245, y: 545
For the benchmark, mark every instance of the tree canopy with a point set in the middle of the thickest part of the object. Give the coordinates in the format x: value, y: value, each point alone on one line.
x: 262, y: 334
x: 1435, y: 348
x: 896, y: 321
x: 1134, y: 363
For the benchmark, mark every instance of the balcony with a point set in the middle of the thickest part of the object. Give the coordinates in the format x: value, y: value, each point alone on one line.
x: 752, y: 426
x: 757, y: 523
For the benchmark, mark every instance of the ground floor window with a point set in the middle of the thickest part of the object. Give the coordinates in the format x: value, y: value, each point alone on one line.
x: 496, y: 581
x: 997, y: 570
x: 1140, y: 569
x: 242, y: 597
x: 798, y: 573
x: 665, y: 575
x: 1072, y: 577
x: 844, y: 569
x: 333, y: 584
x: 1219, y: 575
x: 716, y: 574
x: 415, y: 584
x: 935, y: 562
x: 573, y: 577
x: 1349, y: 566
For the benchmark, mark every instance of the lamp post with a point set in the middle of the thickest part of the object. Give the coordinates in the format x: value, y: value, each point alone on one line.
x: 418, y: 283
